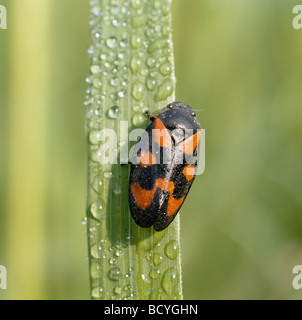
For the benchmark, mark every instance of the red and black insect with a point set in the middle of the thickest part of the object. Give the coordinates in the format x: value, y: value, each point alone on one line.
x: 163, y: 166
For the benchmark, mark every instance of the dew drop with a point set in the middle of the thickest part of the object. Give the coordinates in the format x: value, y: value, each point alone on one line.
x: 145, y: 109
x: 118, y: 244
x: 121, y: 55
x: 113, y: 112
x: 166, y: 31
x: 92, y: 229
x: 95, y: 123
x: 149, y: 32
x: 89, y: 79
x: 117, y: 188
x: 97, y: 35
x: 94, y: 156
x: 97, y: 11
x: 138, y: 119
x: 154, y: 273
x: 90, y: 50
x: 135, y: 64
x: 158, y: 44
x: 99, y: 45
x: 95, y: 270
x: 157, y: 259
x: 114, y: 9
x: 108, y: 175
x: 149, y: 255
x: 138, y: 90
x: 95, y: 137
x: 97, y: 83
x: 98, y: 113
x: 144, y: 72
x: 111, y: 42
x: 114, y: 82
x: 124, y: 43
x: 89, y: 113
x: 113, y: 261
x: 127, y: 288
x: 145, y: 278
x: 171, y: 249
x: 151, y: 84
x: 170, y: 281
x: 116, y: 23
x: 97, y: 210
x: 117, y: 290
x: 103, y: 56
x: 96, y: 251
x: 136, y: 41
x: 95, y: 93
x: 95, y: 69
x: 166, y: 10
x: 97, y: 293
x: 115, y: 274
x: 165, y: 90
x: 136, y: 108
x: 165, y: 69
x: 122, y: 93
x: 119, y: 253
x: 97, y: 184
x: 150, y: 62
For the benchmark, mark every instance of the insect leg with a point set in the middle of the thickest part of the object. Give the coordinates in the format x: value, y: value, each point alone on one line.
x: 150, y: 116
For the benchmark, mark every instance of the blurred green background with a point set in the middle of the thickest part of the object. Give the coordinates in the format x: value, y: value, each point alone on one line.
x: 239, y: 63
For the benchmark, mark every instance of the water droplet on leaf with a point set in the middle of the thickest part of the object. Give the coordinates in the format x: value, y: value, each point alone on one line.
x: 165, y: 90
x: 170, y: 281
x: 113, y: 112
x: 171, y: 249
x: 97, y: 293
x: 138, y: 90
x: 95, y: 69
x: 138, y: 119
x: 111, y: 42
x: 115, y: 274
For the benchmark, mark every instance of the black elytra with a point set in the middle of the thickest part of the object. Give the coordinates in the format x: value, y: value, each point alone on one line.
x: 163, y: 166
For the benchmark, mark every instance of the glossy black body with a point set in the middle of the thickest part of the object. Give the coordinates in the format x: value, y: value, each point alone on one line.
x: 179, y: 116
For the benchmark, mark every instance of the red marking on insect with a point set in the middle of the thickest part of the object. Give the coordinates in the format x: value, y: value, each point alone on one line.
x: 143, y: 198
x: 161, y: 135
